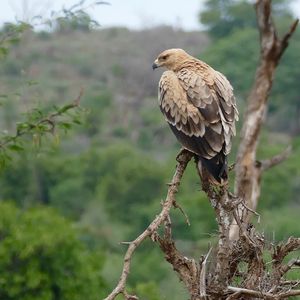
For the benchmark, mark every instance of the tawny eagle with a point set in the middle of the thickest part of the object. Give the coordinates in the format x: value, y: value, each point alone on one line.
x: 199, y: 106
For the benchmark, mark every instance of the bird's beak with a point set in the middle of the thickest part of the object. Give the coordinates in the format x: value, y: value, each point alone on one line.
x: 155, y: 65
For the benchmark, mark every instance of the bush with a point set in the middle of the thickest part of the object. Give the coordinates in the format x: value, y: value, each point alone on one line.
x: 42, y: 258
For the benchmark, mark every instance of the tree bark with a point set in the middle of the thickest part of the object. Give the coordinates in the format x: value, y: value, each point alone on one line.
x: 248, y: 170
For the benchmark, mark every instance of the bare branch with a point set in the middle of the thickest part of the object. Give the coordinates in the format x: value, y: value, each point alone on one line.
x: 281, y: 251
x: 264, y: 295
x: 275, y: 160
x: 292, y: 283
x: 289, y: 294
x: 248, y: 173
x: 187, y: 221
x: 186, y: 268
x: 258, y: 294
x: 183, y: 160
x: 285, y: 39
x: 203, y: 275
x: 285, y: 268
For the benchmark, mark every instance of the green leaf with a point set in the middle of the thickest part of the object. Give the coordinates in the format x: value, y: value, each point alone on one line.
x: 15, y: 147
x: 65, y: 125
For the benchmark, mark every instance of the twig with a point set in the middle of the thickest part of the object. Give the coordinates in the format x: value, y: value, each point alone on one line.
x: 253, y: 211
x: 289, y: 294
x: 275, y: 160
x: 292, y: 283
x: 281, y: 251
x: 183, y: 160
x: 48, y: 120
x: 129, y: 297
x: 264, y: 295
x: 285, y: 268
x: 187, y: 221
x: 258, y: 294
x: 245, y: 234
x: 234, y: 296
x: 203, y: 275
x: 285, y: 39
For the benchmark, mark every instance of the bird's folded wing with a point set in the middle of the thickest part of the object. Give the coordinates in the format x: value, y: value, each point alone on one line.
x: 213, y: 95
x: 202, y: 113
x: 178, y: 111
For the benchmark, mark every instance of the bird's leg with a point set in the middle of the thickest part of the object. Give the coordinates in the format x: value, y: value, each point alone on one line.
x: 181, y: 152
x: 231, y: 167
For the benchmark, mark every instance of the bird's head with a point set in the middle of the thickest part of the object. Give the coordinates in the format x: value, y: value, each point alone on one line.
x: 170, y: 59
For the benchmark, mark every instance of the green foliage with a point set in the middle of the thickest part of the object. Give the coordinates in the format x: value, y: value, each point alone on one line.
x: 280, y: 185
x: 99, y: 106
x: 279, y: 225
x: 10, y: 35
x: 80, y: 21
x: 285, y: 108
x: 126, y: 182
x: 223, y: 17
x: 148, y: 291
x: 238, y: 63
x: 37, y: 125
x: 75, y: 18
x: 42, y: 258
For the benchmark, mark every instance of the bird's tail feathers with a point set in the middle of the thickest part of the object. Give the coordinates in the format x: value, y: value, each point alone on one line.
x: 216, y: 168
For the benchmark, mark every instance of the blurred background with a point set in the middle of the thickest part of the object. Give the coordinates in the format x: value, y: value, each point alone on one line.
x: 68, y: 203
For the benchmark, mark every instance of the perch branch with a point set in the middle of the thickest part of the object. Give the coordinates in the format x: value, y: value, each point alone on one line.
x: 120, y: 288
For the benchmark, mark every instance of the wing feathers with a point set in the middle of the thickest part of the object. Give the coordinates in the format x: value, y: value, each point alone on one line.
x: 200, y: 109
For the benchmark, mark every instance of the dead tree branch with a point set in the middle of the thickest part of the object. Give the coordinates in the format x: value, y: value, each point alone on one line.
x: 187, y: 269
x: 183, y: 160
x: 275, y: 160
x: 248, y: 173
x: 203, y: 275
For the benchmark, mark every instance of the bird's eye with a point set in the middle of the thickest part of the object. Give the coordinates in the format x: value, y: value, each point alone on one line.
x: 164, y: 57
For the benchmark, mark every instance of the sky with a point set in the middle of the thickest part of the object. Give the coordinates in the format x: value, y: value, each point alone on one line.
x: 134, y: 14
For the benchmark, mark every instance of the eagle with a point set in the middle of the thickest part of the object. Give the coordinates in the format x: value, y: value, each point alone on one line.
x: 199, y: 105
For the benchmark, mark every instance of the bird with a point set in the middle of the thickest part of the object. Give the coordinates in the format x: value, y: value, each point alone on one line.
x: 199, y: 105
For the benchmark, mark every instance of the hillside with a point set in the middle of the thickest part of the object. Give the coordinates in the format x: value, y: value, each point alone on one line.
x: 112, y: 65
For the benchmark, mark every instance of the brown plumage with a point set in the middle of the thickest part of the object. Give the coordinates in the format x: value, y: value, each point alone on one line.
x: 199, y: 105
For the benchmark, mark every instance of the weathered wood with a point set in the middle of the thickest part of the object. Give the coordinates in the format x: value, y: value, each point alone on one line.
x: 248, y: 171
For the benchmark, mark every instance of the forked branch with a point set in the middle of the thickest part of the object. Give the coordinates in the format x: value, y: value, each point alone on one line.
x: 248, y: 172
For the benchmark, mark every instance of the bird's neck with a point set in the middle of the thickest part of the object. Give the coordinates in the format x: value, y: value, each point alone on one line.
x: 192, y: 64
